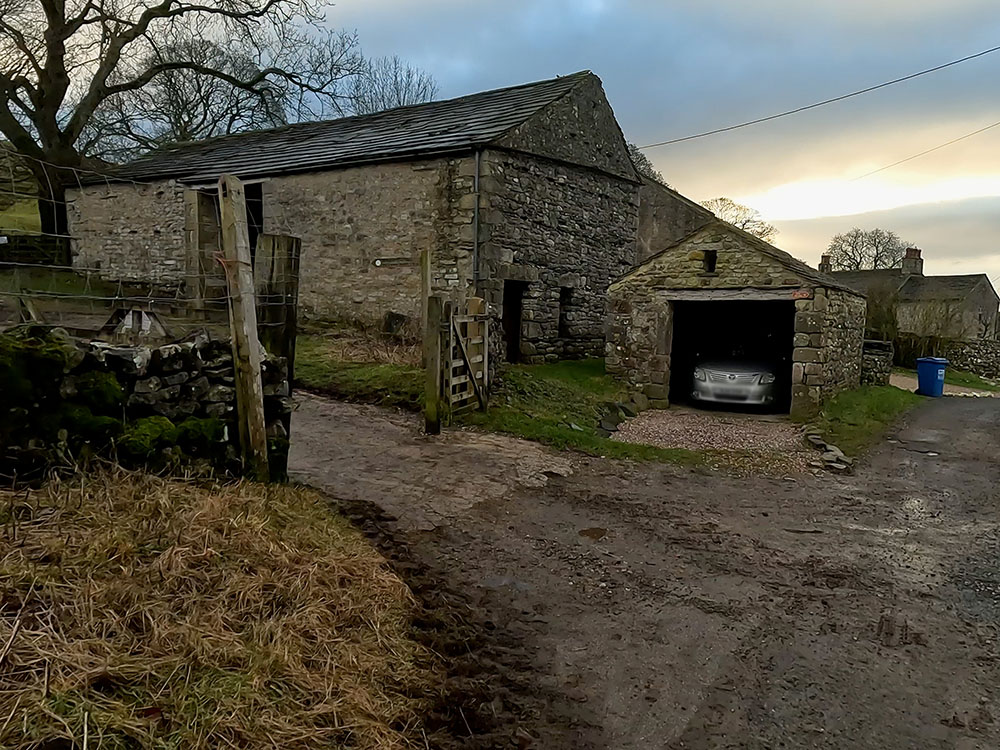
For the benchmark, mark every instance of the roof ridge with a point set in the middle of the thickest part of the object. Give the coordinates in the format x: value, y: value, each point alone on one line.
x: 381, y: 113
x: 786, y: 259
x: 579, y: 74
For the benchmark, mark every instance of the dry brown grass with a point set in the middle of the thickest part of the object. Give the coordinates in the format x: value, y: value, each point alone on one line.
x: 355, y: 342
x: 151, y: 613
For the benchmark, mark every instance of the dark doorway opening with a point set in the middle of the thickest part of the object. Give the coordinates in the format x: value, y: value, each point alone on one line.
x: 750, y: 333
x: 513, y: 306
x: 254, y: 193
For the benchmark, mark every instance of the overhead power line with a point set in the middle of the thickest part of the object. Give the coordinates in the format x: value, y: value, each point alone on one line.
x: 924, y: 153
x: 822, y: 103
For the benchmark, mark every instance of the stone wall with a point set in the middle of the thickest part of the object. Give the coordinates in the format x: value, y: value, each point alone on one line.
x: 828, y: 324
x: 131, y: 232
x: 665, y: 217
x: 579, y: 128
x: 980, y: 357
x: 568, y: 232
x: 174, y: 406
x: 363, y: 230
x: 876, y: 362
x: 638, y: 348
x: 829, y: 334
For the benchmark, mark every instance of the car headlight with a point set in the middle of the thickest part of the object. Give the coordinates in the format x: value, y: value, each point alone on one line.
x: 767, y: 378
x: 699, y: 374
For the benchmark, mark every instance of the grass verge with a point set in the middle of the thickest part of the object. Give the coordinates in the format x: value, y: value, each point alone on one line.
x: 535, y: 402
x: 320, y: 366
x: 22, y: 216
x: 853, y: 420
x: 162, y: 615
x: 959, y: 378
x: 559, y: 405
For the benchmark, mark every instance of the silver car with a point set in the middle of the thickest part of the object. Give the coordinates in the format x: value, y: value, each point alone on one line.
x: 731, y: 382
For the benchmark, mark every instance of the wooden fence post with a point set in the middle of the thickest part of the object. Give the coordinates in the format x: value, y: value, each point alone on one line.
x: 432, y: 366
x: 243, y: 323
x: 276, y: 271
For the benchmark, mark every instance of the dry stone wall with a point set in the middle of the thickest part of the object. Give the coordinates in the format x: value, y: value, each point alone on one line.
x: 981, y: 357
x: 171, y: 406
x: 876, y: 362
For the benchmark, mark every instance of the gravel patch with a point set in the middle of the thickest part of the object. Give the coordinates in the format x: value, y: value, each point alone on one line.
x: 745, y: 443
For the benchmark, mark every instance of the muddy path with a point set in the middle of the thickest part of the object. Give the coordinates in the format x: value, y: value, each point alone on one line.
x: 647, y: 606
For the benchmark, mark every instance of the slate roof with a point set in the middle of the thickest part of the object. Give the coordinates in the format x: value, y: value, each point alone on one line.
x: 913, y: 287
x: 406, y: 132
x: 792, y: 264
x: 867, y: 281
x: 921, y: 288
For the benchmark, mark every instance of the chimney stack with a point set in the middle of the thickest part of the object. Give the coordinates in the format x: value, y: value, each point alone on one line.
x: 913, y: 264
x: 825, y: 266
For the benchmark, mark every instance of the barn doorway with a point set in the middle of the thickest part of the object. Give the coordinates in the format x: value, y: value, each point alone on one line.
x: 755, y: 335
x: 513, y: 308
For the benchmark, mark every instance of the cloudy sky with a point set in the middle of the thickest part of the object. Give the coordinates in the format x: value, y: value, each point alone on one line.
x: 676, y: 67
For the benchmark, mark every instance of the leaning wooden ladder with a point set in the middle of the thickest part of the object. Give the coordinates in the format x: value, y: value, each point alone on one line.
x: 465, y: 360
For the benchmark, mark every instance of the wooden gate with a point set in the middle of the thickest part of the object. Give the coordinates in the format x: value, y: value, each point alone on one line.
x: 465, y: 356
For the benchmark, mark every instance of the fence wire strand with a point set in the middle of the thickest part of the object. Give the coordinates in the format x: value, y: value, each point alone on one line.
x: 70, y: 278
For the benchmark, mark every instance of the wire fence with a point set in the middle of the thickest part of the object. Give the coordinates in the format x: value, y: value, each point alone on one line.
x: 111, y: 276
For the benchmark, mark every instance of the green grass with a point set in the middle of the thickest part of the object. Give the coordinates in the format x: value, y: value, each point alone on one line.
x: 22, y: 216
x: 959, y: 378
x: 853, y: 420
x: 535, y: 402
x: 318, y: 368
x: 541, y: 402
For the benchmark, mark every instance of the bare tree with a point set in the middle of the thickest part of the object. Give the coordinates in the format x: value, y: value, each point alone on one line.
x: 644, y: 165
x: 743, y: 217
x: 62, y: 61
x: 184, y: 105
x: 882, y: 317
x: 389, y: 82
x: 861, y: 249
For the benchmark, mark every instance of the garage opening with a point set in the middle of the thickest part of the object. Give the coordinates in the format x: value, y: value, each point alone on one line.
x: 736, y: 348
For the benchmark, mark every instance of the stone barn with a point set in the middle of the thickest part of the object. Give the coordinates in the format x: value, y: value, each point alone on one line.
x: 722, y: 293
x: 525, y: 196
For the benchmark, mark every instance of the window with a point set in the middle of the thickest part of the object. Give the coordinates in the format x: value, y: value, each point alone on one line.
x: 565, y: 303
x: 711, y: 258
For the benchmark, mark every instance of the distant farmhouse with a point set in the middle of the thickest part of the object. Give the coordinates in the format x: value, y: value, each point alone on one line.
x: 954, y: 307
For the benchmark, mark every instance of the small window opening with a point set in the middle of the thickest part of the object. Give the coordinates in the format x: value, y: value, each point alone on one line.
x: 711, y: 258
x: 565, y: 302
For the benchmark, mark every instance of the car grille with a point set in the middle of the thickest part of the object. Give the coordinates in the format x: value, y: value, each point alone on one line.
x: 721, y: 377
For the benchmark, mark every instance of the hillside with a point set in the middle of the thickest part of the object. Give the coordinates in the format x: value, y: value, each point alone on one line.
x: 18, y: 209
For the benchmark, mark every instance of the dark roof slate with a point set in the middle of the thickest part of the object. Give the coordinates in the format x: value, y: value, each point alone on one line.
x: 406, y: 132
x: 913, y: 287
x: 866, y: 281
x: 920, y: 288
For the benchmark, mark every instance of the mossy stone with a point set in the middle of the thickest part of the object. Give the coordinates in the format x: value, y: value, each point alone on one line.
x: 146, y: 437
x: 202, y: 437
x: 100, y: 392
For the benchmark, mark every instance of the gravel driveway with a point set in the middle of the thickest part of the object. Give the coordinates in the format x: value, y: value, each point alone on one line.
x: 650, y: 606
x: 746, y: 442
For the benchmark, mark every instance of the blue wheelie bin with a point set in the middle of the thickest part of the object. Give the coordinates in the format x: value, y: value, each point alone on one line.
x: 930, y: 376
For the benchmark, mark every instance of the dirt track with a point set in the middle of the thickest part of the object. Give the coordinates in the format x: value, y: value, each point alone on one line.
x: 664, y: 608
